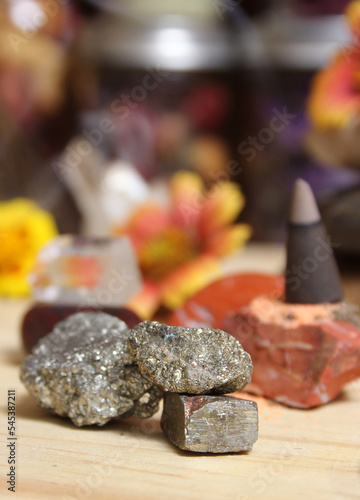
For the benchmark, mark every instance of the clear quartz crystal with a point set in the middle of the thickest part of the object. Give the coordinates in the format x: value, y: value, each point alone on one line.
x: 86, y: 271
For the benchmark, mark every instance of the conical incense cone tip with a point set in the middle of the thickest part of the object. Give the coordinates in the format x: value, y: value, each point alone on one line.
x: 312, y: 276
x: 304, y: 209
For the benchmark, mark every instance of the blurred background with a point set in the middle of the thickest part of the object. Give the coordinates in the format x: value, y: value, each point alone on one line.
x: 100, y: 99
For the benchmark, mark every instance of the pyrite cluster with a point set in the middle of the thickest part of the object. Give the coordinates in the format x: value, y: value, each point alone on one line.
x: 196, y: 367
x: 92, y: 368
x: 84, y: 370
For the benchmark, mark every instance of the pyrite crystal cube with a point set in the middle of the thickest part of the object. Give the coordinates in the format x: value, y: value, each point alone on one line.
x: 210, y: 424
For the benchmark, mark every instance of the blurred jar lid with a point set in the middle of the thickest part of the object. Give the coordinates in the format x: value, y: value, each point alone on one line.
x: 186, y: 35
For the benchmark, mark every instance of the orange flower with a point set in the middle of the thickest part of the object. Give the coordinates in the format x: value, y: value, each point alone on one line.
x: 334, y: 101
x: 335, y: 98
x: 24, y: 229
x: 178, y: 248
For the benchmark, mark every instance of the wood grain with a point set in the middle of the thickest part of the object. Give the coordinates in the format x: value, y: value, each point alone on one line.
x: 299, y: 454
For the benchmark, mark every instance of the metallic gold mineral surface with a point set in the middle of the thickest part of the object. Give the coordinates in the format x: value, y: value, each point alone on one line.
x: 84, y: 370
x: 190, y: 360
x: 210, y: 424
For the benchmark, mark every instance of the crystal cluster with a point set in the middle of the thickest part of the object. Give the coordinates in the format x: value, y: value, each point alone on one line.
x: 84, y: 370
x: 92, y: 368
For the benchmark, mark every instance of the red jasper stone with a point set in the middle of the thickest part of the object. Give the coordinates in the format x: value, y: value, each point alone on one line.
x: 41, y: 319
x: 209, y: 307
x: 302, y: 354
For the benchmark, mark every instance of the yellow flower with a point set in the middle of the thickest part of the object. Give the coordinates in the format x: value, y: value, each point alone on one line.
x: 352, y: 13
x: 24, y: 229
x: 179, y: 248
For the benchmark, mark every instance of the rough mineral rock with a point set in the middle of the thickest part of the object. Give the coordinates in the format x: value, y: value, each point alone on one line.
x: 210, y: 424
x: 191, y: 360
x: 209, y: 306
x: 42, y: 318
x: 302, y: 354
x: 84, y: 370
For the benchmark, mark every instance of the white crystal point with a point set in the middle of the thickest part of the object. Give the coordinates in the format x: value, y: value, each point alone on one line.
x: 304, y: 209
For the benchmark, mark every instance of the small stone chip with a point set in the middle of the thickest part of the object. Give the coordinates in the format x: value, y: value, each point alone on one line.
x: 190, y: 360
x: 210, y: 424
x: 84, y: 370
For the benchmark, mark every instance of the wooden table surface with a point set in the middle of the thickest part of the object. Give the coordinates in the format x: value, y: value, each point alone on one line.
x: 299, y: 454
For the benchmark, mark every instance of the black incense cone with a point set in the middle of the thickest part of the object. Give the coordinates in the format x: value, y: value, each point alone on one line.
x: 312, y: 275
